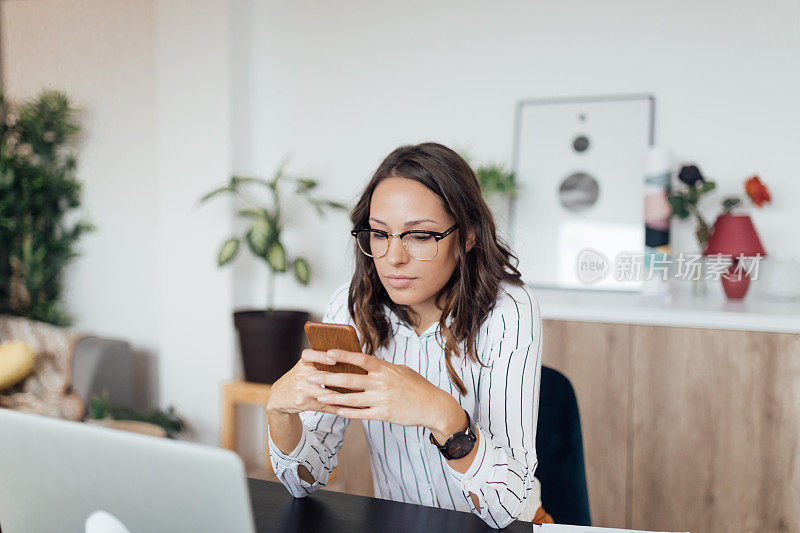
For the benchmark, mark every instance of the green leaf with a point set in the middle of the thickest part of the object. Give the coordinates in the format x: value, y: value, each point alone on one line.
x: 494, y: 178
x: 304, y: 185
x: 336, y: 205
x: 729, y: 203
x: 228, y: 251
x: 302, y: 272
x: 317, y: 206
x: 252, y: 212
x: 280, y: 171
x: 260, y: 235
x: 215, y: 192
x: 679, y: 206
x: 237, y: 180
x: 276, y: 257
x: 708, y: 186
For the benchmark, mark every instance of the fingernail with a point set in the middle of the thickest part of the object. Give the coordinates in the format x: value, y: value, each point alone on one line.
x: 329, y: 356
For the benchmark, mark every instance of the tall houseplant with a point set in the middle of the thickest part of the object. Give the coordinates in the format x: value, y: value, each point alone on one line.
x: 38, y: 187
x: 270, y: 339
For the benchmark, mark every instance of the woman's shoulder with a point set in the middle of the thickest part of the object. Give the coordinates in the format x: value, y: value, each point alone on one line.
x: 515, y: 302
x: 515, y: 314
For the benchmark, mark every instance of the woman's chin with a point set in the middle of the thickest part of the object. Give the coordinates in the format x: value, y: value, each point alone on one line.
x: 405, y: 296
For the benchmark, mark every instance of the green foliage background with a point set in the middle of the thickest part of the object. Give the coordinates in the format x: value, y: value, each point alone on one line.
x: 38, y: 187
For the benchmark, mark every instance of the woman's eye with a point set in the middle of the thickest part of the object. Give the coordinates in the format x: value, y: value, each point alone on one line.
x: 421, y: 238
x: 379, y: 236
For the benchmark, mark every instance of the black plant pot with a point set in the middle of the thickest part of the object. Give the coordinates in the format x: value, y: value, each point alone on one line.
x: 271, y: 343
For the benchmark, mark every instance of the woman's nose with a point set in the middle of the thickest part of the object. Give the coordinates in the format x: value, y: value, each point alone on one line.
x: 396, y: 254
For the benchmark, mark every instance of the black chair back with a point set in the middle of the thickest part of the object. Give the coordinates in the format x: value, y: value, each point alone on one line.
x: 559, y: 449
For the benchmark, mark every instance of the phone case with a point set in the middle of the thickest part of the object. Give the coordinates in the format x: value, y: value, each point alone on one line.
x: 323, y: 337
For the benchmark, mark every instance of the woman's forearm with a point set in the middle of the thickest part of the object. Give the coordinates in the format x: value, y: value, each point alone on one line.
x: 285, y: 431
x: 451, y: 418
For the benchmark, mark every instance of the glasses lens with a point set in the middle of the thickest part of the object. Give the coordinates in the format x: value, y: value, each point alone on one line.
x: 372, y: 243
x: 420, y: 245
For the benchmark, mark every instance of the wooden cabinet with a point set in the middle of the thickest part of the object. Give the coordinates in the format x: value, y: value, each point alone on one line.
x: 685, y: 428
x: 595, y: 357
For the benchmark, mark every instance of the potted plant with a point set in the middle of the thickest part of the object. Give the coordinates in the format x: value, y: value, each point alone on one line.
x: 270, y: 339
x: 686, y: 203
x: 499, y: 186
x: 38, y: 189
x: 168, y: 422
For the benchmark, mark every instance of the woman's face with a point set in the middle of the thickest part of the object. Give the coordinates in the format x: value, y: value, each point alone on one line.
x: 400, y: 204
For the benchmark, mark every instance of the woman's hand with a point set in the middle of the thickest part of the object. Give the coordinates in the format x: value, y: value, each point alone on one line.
x: 293, y: 392
x: 392, y: 393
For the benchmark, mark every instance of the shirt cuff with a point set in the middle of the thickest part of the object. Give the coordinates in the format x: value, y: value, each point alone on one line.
x: 303, y: 454
x: 283, y: 457
x: 480, y: 470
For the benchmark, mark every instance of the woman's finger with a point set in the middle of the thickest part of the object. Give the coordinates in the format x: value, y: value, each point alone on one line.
x: 349, y: 399
x: 334, y: 379
x: 316, y: 356
x: 309, y: 389
x: 369, y: 363
x: 321, y: 408
x: 358, y: 414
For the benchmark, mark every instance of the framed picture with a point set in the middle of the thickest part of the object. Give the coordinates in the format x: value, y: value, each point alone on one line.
x: 580, y: 164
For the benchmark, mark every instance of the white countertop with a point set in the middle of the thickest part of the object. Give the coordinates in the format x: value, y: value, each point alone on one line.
x: 682, y: 308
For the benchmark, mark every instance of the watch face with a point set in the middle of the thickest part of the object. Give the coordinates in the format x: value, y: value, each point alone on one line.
x: 460, y: 445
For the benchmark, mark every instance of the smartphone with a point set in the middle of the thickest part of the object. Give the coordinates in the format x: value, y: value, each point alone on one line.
x: 323, y: 337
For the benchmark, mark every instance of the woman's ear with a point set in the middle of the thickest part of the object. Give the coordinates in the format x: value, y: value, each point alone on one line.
x: 470, y: 239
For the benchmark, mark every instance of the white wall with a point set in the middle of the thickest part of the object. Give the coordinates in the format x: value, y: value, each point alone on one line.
x: 152, y: 78
x: 193, y: 155
x: 343, y: 83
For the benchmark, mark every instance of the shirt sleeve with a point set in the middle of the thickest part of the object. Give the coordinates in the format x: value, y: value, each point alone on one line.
x: 323, y: 433
x: 502, y: 472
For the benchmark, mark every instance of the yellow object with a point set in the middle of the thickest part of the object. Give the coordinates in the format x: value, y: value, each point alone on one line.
x: 16, y: 362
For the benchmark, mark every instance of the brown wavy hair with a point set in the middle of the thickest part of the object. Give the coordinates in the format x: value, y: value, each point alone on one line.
x: 472, y: 290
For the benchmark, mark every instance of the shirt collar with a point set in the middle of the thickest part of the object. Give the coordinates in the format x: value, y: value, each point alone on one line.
x: 401, y: 328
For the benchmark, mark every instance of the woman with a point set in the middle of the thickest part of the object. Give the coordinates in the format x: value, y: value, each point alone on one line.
x: 451, y: 341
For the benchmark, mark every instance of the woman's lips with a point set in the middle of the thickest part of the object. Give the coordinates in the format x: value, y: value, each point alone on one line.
x: 400, y: 283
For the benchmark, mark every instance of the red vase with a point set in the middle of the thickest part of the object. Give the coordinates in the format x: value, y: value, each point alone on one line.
x: 735, y: 281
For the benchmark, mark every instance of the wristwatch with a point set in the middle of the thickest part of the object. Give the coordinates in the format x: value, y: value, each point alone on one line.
x: 458, y: 444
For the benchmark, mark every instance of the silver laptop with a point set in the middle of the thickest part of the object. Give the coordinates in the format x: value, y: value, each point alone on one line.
x: 57, y: 475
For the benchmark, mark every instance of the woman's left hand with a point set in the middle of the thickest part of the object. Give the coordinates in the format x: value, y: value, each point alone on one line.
x: 392, y: 393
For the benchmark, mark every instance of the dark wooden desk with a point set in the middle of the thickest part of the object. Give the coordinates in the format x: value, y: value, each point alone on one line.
x: 274, y: 509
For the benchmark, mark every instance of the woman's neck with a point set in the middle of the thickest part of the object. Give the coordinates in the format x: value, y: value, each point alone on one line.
x: 428, y: 314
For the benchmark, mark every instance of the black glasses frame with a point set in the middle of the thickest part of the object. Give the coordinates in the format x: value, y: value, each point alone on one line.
x: 437, y: 235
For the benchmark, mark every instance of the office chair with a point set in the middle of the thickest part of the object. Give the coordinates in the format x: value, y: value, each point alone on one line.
x: 559, y: 449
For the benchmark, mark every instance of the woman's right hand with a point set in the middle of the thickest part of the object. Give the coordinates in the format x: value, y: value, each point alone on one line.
x: 293, y: 392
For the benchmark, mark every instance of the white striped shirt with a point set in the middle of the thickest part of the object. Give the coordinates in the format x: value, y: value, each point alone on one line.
x: 502, y: 400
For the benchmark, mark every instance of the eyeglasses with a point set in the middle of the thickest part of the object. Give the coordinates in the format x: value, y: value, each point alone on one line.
x: 420, y: 244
